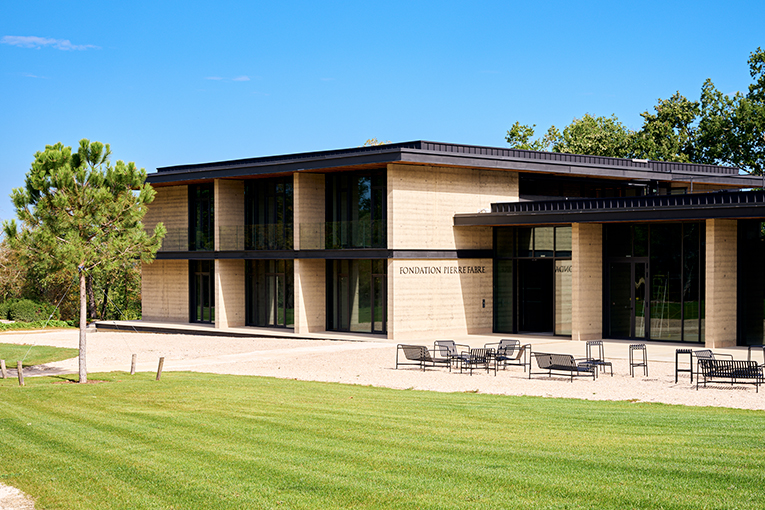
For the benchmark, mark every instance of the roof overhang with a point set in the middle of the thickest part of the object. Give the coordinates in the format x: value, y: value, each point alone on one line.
x: 691, y: 207
x: 453, y: 155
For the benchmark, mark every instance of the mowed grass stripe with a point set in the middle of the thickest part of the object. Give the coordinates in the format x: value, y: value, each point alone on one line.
x: 213, y: 441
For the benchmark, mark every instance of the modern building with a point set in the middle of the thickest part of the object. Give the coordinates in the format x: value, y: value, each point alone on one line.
x: 420, y: 240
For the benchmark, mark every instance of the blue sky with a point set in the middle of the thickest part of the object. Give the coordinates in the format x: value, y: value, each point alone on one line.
x: 169, y: 83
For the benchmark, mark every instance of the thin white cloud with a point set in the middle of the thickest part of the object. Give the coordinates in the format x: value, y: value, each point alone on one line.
x: 220, y: 78
x: 27, y: 75
x: 327, y: 79
x: 23, y: 41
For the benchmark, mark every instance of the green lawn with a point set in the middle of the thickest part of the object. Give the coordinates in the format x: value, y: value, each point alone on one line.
x: 34, y: 355
x: 202, y: 441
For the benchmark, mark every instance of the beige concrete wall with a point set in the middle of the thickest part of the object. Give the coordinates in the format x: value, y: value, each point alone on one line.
x: 721, y: 289
x: 310, y: 300
x: 309, y: 211
x: 171, y: 207
x: 587, y: 281
x: 229, y: 214
x: 428, y: 299
x: 229, y: 293
x: 422, y: 201
x: 165, y: 291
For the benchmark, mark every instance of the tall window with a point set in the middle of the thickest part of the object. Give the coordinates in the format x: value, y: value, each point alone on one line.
x: 201, y: 218
x: 355, y: 210
x: 654, y: 286
x: 751, y: 282
x: 202, y: 291
x: 269, y: 214
x: 269, y: 296
x: 356, y: 295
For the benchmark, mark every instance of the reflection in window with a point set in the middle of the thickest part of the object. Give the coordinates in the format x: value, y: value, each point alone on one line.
x: 355, y: 210
x: 269, y: 214
x: 270, y: 293
x: 201, y: 217
x: 357, y: 291
x: 666, y: 282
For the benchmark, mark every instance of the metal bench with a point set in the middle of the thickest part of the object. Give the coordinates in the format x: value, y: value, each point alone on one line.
x: 729, y: 370
x: 564, y: 364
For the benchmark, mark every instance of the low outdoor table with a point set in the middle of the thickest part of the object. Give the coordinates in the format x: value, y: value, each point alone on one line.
x: 689, y: 352
x: 749, y: 352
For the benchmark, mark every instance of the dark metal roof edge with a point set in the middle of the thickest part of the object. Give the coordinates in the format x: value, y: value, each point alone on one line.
x: 297, y: 157
x: 323, y: 159
x: 567, y: 168
x: 724, y: 204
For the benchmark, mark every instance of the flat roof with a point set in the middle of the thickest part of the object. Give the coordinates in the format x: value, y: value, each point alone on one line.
x: 446, y: 154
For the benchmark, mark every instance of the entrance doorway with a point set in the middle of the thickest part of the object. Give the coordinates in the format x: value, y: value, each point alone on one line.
x: 269, y: 295
x: 627, y: 299
x: 202, y: 291
x: 536, y: 293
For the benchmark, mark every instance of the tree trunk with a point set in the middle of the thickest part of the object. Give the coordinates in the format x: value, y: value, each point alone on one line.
x: 91, y: 298
x: 83, y: 325
x: 106, y: 301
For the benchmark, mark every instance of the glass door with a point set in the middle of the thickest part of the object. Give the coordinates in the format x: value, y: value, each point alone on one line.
x: 203, y: 292
x: 627, y: 299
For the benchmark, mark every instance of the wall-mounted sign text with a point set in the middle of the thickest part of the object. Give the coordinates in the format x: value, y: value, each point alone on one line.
x: 442, y: 270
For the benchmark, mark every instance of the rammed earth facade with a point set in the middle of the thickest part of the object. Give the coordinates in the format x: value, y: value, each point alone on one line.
x: 420, y: 240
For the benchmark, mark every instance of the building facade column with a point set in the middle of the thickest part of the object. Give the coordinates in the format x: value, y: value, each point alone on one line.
x: 308, y: 211
x: 310, y: 274
x: 229, y: 293
x: 310, y: 296
x: 587, y: 281
x: 721, y: 288
x: 228, y: 215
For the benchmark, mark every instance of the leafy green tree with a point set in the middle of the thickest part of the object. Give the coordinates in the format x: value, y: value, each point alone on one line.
x: 732, y: 128
x: 519, y: 137
x: 718, y: 129
x: 79, y: 212
x: 604, y: 136
x: 12, y: 272
x: 668, y: 134
x: 601, y: 136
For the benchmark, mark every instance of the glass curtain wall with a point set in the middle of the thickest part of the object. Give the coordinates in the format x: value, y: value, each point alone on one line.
x: 751, y: 282
x: 201, y: 217
x: 268, y: 214
x: 356, y: 210
x: 654, y: 281
x: 270, y: 293
x: 532, y: 279
x: 202, y: 291
x: 356, y: 295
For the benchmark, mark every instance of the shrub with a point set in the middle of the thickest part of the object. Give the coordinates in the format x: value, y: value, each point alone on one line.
x: 5, y: 308
x: 26, y: 310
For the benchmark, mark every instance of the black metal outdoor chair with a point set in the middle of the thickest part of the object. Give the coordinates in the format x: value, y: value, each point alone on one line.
x: 478, y: 358
x: 511, y: 352
x: 595, y: 355
x: 450, y: 350
x: 418, y: 355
